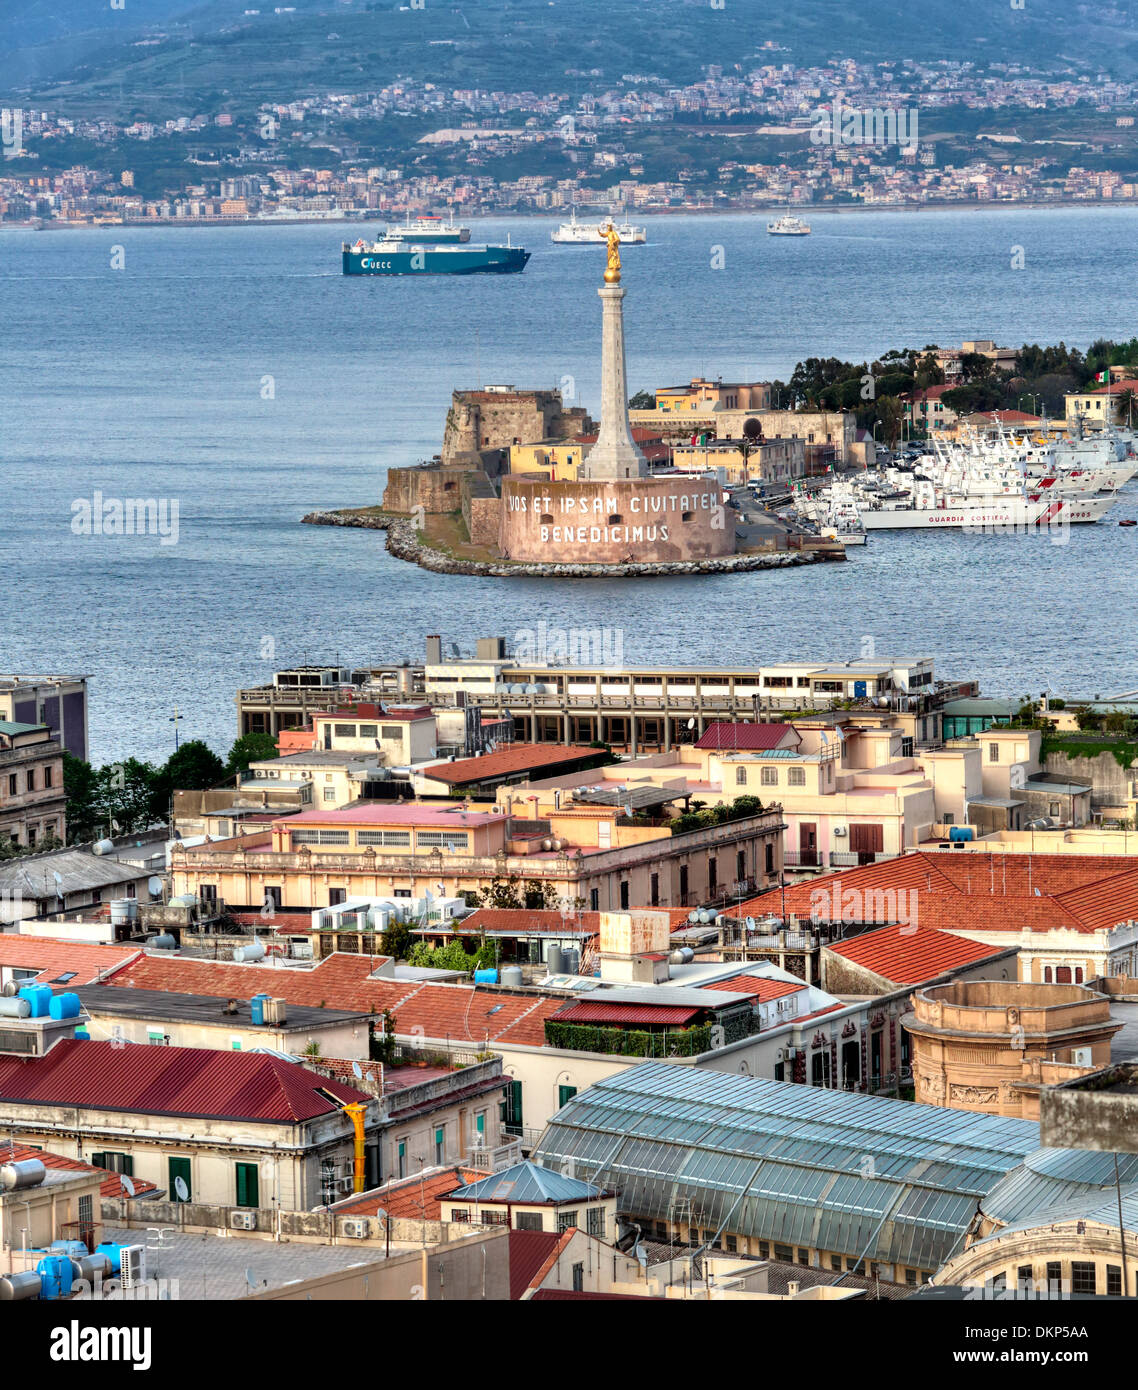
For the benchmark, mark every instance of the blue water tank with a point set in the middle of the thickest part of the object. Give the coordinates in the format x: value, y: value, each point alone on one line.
x: 55, y: 1276
x: 257, y: 1007
x: 113, y: 1251
x: 959, y: 832
x: 73, y: 1249
x: 39, y: 999
x: 64, y: 1006
x: 486, y: 977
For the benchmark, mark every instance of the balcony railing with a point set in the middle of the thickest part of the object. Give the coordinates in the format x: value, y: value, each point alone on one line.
x: 848, y: 859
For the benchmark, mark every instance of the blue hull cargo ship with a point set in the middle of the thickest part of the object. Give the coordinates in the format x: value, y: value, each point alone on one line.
x: 397, y: 257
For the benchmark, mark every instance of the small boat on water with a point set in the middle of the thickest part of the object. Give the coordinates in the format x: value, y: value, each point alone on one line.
x: 787, y: 225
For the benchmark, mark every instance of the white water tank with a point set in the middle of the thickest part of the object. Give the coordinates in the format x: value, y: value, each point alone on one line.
x: 244, y: 955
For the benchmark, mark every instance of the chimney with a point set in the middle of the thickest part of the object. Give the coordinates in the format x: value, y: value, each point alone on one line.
x: 792, y: 1287
x: 434, y: 650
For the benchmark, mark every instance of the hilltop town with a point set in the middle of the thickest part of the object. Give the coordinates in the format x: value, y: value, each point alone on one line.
x: 734, y: 140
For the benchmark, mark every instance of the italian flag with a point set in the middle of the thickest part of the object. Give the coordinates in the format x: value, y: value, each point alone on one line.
x: 1104, y: 377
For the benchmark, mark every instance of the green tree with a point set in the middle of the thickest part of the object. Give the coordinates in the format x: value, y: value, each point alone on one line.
x: 250, y: 748
x: 890, y: 412
x: 126, y: 797
x: 397, y: 941
x: 81, y: 787
x: 194, y: 766
x: 643, y: 400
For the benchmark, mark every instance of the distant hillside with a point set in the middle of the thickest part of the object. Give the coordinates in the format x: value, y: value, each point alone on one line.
x: 81, y: 53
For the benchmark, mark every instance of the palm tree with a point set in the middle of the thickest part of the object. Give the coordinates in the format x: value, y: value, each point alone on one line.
x: 1124, y: 404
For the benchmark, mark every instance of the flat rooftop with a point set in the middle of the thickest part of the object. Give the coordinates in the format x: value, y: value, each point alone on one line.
x: 214, y: 1267
x: 159, y: 1005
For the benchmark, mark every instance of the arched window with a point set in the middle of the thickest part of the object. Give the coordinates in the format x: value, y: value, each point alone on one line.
x: 1046, y: 974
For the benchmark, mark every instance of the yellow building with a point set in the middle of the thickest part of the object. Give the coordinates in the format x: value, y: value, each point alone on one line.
x: 555, y: 459
x: 595, y: 857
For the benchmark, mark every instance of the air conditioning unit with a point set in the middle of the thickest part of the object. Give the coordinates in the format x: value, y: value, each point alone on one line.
x: 345, y: 1183
x: 354, y: 1227
x: 840, y: 832
x: 132, y: 1269
x: 243, y: 1220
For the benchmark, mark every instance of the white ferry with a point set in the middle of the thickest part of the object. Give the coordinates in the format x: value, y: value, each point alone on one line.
x: 574, y: 233
x: 786, y: 225
x: 430, y: 231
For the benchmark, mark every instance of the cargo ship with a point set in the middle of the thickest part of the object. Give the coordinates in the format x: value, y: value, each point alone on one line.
x: 396, y: 257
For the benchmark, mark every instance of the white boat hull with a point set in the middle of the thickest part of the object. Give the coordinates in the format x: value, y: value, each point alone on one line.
x: 1015, y: 513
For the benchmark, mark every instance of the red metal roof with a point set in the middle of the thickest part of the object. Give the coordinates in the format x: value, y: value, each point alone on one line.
x: 588, y: 1011
x: 910, y: 957
x: 524, y: 920
x: 756, y: 737
x: 761, y: 990
x: 192, y: 1081
x: 529, y: 1250
x: 518, y: 757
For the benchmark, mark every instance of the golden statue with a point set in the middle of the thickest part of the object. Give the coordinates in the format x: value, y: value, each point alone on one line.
x: 612, y: 271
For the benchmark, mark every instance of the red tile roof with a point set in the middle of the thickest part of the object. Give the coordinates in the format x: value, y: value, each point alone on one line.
x: 970, y: 891
x: 570, y: 1295
x: 723, y: 734
x: 761, y: 990
x: 910, y: 957
x: 193, y: 1081
x: 590, y: 1011
x: 464, y: 1013
x: 529, y: 1250
x: 416, y: 1198
x: 518, y: 757
x: 111, y: 1186
x: 55, y: 957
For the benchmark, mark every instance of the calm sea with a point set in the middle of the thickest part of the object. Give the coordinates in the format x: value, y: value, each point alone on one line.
x: 236, y: 372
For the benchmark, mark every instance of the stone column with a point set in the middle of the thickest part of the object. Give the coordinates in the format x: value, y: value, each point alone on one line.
x: 615, y: 454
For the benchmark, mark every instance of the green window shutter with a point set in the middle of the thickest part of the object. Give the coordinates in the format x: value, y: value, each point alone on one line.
x: 97, y: 1160
x: 248, y: 1186
x: 480, y: 1123
x: 179, y: 1168
x: 565, y: 1093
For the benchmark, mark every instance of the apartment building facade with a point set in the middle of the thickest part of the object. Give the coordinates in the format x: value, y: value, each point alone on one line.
x: 33, y: 806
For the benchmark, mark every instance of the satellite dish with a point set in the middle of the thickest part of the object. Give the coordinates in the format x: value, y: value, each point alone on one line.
x: 181, y: 1189
x: 357, y: 1071
x: 750, y: 924
x: 691, y: 723
x: 127, y: 1185
x: 154, y: 885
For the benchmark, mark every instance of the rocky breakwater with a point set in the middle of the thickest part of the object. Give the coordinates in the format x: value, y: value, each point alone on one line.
x: 406, y: 542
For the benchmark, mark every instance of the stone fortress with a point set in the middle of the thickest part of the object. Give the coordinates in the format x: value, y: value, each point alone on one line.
x: 537, y: 491
x: 614, y: 512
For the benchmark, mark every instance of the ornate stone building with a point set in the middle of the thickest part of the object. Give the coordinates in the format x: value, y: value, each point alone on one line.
x: 990, y: 1045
